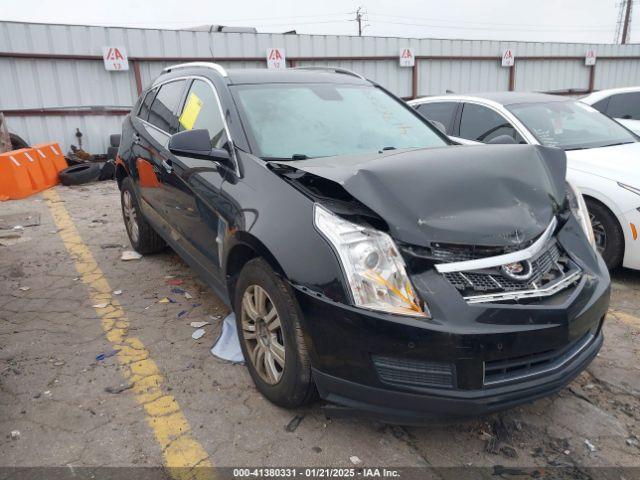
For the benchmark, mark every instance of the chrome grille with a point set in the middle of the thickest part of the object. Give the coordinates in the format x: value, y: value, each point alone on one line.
x: 544, y: 268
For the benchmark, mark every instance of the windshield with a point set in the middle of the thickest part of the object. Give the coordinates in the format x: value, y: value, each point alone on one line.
x: 320, y: 120
x: 570, y: 125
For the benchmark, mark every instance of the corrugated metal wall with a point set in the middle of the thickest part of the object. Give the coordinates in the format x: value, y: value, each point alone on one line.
x: 27, y: 83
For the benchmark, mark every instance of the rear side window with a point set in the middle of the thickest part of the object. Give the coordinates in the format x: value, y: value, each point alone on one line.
x: 625, y: 105
x: 201, y: 110
x: 483, y: 124
x: 163, y: 108
x: 145, y: 106
x: 439, y: 112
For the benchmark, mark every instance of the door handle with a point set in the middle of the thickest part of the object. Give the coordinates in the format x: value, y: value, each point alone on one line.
x: 167, y: 166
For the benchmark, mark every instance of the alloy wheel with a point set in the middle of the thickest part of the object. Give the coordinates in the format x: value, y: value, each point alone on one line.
x: 599, y: 233
x: 262, y: 333
x: 130, y: 216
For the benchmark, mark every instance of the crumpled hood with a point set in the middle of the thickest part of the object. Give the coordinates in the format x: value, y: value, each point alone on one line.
x: 620, y: 163
x: 494, y: 195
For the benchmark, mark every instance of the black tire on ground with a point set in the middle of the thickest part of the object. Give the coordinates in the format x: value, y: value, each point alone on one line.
x: 79, y: 174
x: 16, y: 142
x: 114, y: 140
x: 145, y: 240
x: 112, y: 152
x: 108, y: 171
x: 295, y: 386
x: 605, y: 222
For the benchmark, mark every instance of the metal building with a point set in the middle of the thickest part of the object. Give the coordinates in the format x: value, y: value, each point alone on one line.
x: 53, y: 80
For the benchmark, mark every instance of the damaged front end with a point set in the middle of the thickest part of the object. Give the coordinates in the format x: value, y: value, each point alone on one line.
x: 485, y: 219
x: 471, y: 274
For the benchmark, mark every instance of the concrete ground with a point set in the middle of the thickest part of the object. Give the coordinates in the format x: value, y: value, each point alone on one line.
x: 73, y: 410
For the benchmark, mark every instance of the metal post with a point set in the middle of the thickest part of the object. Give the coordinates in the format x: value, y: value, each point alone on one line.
x: 136, y: 73
x: 512, y: 77
x: 414, y: 79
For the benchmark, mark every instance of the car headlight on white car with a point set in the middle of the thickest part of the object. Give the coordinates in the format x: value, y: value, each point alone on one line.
x: 579, y: 210
x: 372, y: 264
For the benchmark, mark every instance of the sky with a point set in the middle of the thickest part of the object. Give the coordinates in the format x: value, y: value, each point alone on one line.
x: 591, y: 21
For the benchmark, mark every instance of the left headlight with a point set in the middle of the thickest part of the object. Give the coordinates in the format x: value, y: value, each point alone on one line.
x: 579, y: 210
x: 372, y: 264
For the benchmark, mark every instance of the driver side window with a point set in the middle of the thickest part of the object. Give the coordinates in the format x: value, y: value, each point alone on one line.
x: 201, y: 111
x: 483, y: 124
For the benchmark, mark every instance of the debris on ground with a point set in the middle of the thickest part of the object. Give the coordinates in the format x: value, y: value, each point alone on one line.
x: 174, y: 281
x: 633, y: 441
x: 294, y: 423
x: 590, y: 445
x: 509, y: 451
x: 130, y: 255
x: 117, y: 292
x: 15, y: 434
x: 166, y: 300
x: 188, y: 296
x: 198, y: 324
x: 104, y: 246
x: 177, y: 290
x: 102, y: 356
x: 100, y: 305
x: 25, y: 289
x: 227, y: 347
x: 197, y: 334
x: 355, y: 460
x: 119, y: 389
x: 182, y: 313
x: 59, y: 363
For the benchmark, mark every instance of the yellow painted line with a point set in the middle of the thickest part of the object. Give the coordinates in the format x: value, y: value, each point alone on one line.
x: 181, y: 451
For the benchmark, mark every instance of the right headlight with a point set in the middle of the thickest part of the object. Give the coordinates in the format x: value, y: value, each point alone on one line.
x: 579, y: 210
x: 373, y: 265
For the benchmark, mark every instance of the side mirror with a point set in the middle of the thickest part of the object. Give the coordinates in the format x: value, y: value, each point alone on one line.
x: 197, y: 144
x: 502, y: 139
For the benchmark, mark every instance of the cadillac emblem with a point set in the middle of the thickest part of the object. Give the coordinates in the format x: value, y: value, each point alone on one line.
x: 518, y: 271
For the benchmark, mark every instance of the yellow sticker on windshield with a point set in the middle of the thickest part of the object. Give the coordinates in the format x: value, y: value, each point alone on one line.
x: 191, y: 111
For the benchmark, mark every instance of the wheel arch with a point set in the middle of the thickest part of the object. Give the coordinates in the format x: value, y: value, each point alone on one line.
x: 246, y: 248
x: 121, y: 174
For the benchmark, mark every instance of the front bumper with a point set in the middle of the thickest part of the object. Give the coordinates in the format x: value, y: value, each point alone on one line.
x: 345, y: 341
x: 412, y: 408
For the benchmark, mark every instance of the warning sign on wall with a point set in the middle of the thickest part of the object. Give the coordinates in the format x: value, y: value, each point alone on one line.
x: 590, y: 58
x: 276, y: 58
x: 115, y: 58
x: 508, y: 58
x: 407, y: 58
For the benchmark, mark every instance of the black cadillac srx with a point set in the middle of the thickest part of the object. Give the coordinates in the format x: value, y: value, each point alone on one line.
x: 366, y: 256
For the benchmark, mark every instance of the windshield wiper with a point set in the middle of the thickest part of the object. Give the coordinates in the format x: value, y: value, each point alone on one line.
x: 295, y: 156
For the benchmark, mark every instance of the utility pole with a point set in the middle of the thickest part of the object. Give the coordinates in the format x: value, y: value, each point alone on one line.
x: 627, y: 20
x: 359, y: 20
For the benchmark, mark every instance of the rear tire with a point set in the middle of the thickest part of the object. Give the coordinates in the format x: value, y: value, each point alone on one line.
x: 272, y: 336
x: 607, y: 232
x: 142, y: 236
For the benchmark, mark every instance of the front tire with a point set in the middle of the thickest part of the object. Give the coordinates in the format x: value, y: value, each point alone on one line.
x: 607, y: 232
x: 142, y: 236
x: 268, y: 322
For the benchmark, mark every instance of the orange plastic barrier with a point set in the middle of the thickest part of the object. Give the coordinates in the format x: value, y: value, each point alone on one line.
x: 15, y: 181
x: 52, y: 151
x: 49, y: 169
x: 29, y: 158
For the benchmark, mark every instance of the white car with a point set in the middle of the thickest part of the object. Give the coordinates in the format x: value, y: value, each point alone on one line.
x: 621, y: 104
x: 603, y: 158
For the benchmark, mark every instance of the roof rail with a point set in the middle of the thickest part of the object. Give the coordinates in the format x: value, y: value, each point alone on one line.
x: 334, y: 69
x: 214, y: 66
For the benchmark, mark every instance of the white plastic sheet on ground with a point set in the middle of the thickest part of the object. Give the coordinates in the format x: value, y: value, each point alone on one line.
x: 228, y: 345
